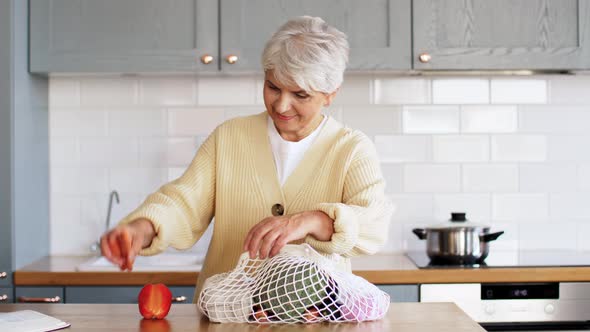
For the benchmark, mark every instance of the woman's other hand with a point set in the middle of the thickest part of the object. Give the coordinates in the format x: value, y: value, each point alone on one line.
x: 270, y: 235
x: 122, y: 244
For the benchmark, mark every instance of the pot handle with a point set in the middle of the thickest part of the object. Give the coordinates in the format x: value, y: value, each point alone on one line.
x: 490, y: 236
x: 420, y: 233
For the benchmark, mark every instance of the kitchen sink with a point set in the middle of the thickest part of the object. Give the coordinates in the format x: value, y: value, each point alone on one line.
x: 161, y: 262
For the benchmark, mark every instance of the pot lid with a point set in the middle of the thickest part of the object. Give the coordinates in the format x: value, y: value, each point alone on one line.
x: 458, y: 220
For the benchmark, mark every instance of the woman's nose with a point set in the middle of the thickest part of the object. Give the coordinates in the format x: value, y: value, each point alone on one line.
x: 282, y: 104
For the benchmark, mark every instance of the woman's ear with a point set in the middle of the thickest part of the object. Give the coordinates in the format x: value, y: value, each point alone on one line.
x: 330, y: 97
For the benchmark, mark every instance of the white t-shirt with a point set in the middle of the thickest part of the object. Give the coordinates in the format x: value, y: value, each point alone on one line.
x: 288, y: 154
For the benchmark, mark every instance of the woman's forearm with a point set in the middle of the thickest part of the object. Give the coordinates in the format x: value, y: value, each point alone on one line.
x: 146, y: 229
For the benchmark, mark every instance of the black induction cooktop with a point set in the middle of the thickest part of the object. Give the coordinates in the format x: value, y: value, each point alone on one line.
x: 523, y: 258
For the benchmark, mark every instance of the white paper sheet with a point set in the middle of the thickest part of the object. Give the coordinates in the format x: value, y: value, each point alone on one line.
x: 29, y: 321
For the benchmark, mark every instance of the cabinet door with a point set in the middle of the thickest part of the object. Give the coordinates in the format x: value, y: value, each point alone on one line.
x: 123, y: 294
x: 6, y: 295
x: 123, y: 35
x: 39, y: 294
x: 401, y: 293
x: 502, y: 34
x: 378, y: 30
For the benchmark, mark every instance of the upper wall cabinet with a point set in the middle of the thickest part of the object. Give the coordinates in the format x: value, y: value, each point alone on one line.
x: 378, y: 30
x: 123, y: 36
x: 501, y: 34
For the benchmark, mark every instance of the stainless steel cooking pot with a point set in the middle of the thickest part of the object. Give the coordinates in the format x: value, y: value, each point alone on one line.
x: 458, y: 242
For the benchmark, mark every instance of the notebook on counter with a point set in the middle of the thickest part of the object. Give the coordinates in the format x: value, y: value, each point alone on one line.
x: 29, y: 321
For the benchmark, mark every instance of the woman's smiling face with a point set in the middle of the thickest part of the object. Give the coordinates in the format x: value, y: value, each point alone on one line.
x: 295, y: 112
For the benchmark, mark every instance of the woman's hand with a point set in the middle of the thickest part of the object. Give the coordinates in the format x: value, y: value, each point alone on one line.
x: 270, y: 235
x: 122, y: 244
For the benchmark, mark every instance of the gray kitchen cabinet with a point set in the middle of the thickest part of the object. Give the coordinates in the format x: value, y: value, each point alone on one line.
x: 501, y: 34
x: 24, y: 150
x: 401, y: 293
x: 6, y: 295
x: 378, y: 30
x: 119, y: 294
x: 86, y: 36
x: 39, y: 294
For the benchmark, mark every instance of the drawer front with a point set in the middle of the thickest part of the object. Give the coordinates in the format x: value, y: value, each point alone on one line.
x: 39, y: 294
x: 401, y: 293
x: 120, y: 294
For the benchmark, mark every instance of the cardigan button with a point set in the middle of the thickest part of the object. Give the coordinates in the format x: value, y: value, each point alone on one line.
x: 277, y: 210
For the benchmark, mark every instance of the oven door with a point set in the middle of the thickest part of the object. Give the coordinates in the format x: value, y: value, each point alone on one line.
x: 518, y: 306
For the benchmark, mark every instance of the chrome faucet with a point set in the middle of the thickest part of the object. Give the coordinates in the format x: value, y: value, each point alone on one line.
x: 114, y: 194
x: 95, y: 247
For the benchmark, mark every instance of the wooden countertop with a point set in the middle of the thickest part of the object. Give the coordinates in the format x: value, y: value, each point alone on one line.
x: 410, y: 317
x: 378, y: 269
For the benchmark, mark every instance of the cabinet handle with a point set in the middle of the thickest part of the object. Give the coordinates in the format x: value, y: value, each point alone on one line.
x: 424, y: 57
x: 3, y: 275
x: 231, y: 59
x: 207, y: 59
x: 179, y: 299
x: 24, y: 299
x: 3, y: 298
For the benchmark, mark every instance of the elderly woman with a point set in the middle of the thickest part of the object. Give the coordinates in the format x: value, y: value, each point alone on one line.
x: 287, y: 175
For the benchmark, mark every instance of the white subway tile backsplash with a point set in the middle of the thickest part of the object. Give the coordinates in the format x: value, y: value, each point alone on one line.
x: 520, y: 207
x: 455, y: 148
x: 193, y: 122
x: 490, y: 178
x: 109, y: 91
x: 584, y: 177
x: 137, y: 180
x: 355, y: 90
x: 583, y: 233
x: 401, y: 91
x: 569, y: 90
x: 64, y: 92
x: 510, y: 165
x: 394, y: 177
x: 430, y: 119
x: 412, y: 148
x: 548, y: 178
x: 109, y: 152
x: 139, y: 122
x: 570, y: 205
x: 489, y: 119
x: 460, y: 91
x: 519, y: 148
x: 76, y: 181
x: 568, y: 148
x: 64, y: 151
x: 432, y: 178
x: 83, y: 123
x: 221, y: 91
x: 549, y: 236
x: 412, y: 207
x: 153, y: 151
x: 518, y: 91
x: 167, y: 91
x: 181, y: 151
x: 373, y: 120
x: 394, y: 242
x: 477, y: 207
x: 555, y: 119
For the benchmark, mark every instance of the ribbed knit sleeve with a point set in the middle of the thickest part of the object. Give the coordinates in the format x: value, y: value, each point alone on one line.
x: 361, y: 220
x: 181, y: 210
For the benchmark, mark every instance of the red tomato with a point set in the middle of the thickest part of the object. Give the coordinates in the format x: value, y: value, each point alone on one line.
x: 154, y: 301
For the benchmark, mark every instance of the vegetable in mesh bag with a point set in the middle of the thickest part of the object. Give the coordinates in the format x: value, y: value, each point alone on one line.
x: 297, y: 285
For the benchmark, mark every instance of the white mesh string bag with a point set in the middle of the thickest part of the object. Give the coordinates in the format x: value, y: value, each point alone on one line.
x: 296, y: 286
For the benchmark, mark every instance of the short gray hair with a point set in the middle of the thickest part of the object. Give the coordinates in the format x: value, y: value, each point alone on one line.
x: 308, y: 53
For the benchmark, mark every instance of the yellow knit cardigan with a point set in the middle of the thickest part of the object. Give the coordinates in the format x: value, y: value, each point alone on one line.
x: 233, y: 178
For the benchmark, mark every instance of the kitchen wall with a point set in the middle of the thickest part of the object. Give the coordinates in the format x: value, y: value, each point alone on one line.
x: 513, y: 152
